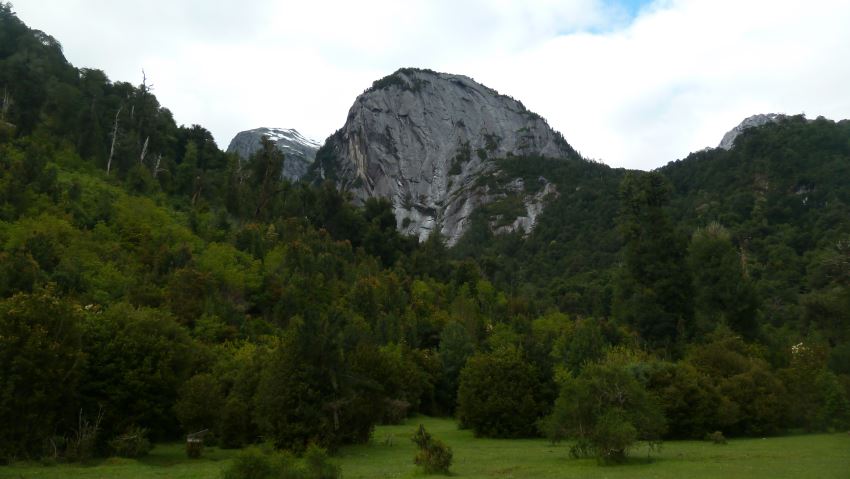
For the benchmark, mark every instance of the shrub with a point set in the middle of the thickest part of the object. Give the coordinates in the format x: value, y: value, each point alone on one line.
x: 40, y: 353
x: 689, y: 399
x: 606, y: 410
x: 752, y: 398
x: 80, y: 446
x: 434, y: 456
x: 498, y: 394
x: 133, y: 443
x: 136, y: 360
x: 613, y: 435
x: 318, y: 465
x: 252, y: 463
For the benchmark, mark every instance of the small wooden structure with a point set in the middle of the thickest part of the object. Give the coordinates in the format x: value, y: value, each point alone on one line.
x: 195, y: 443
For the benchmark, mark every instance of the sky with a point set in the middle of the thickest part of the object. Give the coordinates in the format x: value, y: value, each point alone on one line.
x: 632, y: 83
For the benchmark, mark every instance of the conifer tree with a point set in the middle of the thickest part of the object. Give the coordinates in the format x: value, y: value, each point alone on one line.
x: 654, y: 287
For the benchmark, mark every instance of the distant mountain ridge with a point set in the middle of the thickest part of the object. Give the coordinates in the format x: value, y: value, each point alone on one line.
x: 300, y: 151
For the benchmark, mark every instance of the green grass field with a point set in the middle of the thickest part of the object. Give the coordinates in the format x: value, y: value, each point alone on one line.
x: 822, y: 456
x: 165, y: 461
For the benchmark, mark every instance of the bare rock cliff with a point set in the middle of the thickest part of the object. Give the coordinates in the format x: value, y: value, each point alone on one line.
x: 754, y: 121
x: 424, y: 140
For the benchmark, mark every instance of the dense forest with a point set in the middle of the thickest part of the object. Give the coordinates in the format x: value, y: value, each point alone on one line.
x: 153, y: 286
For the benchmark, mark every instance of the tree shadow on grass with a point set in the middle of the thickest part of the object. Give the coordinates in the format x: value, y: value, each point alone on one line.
x: 175, y: 454
x: 630, y: 461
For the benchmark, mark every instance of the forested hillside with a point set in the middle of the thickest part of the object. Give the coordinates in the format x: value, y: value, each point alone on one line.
x: 152, y: 286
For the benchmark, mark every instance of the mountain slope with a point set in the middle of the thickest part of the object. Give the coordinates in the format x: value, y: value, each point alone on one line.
x: 424, y: 139
x: 781, y: 191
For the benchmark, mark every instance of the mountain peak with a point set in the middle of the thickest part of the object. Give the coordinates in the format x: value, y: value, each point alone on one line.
x: 728, y: 140
x: 289, y: 134
x: 423, y: 139
x: 413, y: 79
x: 300, y: 151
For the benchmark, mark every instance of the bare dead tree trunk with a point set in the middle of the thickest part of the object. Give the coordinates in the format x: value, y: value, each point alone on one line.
x: 83, y: 442
x: 198, y: 190
x: 143, y: 89
x: 745, y: 269
x: 114, y: 136
x: 144, y: 151
x: 156, y: 168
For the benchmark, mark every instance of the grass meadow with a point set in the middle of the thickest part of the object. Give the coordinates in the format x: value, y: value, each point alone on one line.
x: 390, y: 455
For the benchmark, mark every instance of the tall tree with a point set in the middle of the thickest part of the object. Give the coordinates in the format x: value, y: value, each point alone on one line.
x: 40, y: 364
x: 654, y: 293
x: 722, y: 292
x: 266, y: 172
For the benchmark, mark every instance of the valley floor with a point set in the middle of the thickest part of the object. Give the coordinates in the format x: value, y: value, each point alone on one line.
x: 823, y: 456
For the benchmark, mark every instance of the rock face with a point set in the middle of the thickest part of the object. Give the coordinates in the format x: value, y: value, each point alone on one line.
x: 299, y: 151
x: 728, y: 140
x: 422, y: 139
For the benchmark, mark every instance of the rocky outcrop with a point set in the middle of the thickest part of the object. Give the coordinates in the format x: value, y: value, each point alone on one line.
x: 299, y: 151
x: 728, y: 140
x: 425, y: 139
x: 532, y: 205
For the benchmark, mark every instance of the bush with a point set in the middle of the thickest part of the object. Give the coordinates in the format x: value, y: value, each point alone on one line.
x: 689, y: 400
x: 133, y: 443
x: 40, y: 354
x: 318, y: 465
x: 81, y: 445
x: 252, y: 463
x: 498, y: 395
x: 137, y: 358
x: 613, y: 435
x: 434, y: 456
x: 606, y: 410
x: 752, y: 398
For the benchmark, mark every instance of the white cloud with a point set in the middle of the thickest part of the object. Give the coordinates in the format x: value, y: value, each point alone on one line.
x: 632, y: 93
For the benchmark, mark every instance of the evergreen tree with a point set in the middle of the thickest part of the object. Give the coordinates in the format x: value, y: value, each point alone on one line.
x: 266, y: 167
x: 499, y: 394
x: 605, y: 409
x: 41, y: 360
x: 722, y: 292
x: 654, y: 287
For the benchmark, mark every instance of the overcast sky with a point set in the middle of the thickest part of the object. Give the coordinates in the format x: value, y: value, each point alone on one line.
x: 633, y: 83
